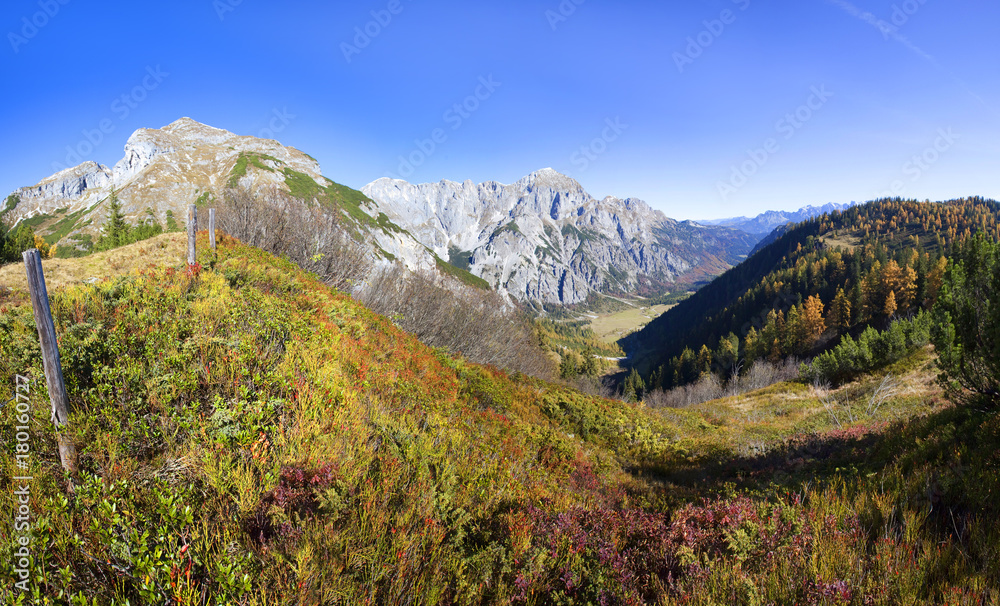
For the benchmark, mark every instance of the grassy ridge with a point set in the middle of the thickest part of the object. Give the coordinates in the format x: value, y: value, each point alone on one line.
x: 248, y: 434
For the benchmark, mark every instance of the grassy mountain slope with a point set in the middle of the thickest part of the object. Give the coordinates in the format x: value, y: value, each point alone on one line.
x: 850, y: 250
x: 248, y: 435
x: 161, y: 250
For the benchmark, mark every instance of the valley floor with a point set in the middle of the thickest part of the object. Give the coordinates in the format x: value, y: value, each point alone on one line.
x: 610, y: 327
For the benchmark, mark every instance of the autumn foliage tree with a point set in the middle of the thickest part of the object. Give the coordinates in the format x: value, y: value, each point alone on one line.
x: 839, y: 316
x: 813, y: 324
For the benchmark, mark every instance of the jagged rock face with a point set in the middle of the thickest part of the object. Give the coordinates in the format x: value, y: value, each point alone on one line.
x: 70, y: 185
x: 165, y: 170
x: 545, y: 239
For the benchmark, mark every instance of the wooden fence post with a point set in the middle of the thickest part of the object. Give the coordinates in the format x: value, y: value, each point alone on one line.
x: 50, y: 358
x: 211, y: 228
x: 192, y: 229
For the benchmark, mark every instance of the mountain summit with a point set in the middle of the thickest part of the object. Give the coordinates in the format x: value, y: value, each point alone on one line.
x: 164, y: 170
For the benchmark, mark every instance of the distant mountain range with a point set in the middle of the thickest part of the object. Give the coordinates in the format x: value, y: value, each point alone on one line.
x: 766, y: 222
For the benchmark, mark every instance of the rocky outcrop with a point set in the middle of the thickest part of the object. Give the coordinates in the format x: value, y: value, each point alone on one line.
x: 545, y: 239
x: 162, y: 170
x: 70, y: 188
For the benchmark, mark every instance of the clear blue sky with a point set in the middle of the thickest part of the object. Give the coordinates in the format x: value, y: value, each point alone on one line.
x: 690, y: 88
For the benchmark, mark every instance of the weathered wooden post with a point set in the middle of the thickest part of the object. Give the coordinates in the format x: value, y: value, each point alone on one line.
x: 211, y: 228
x: 192, y: 230
x: 50, y: 358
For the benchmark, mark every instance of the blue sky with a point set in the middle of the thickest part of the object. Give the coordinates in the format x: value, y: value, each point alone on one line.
x: 703, y: 108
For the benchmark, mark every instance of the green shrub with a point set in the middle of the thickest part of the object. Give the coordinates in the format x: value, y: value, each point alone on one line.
x: 872, y: 350
x: 966, y: 331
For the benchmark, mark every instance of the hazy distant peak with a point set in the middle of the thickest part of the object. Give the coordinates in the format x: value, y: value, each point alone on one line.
x: 766, y: 221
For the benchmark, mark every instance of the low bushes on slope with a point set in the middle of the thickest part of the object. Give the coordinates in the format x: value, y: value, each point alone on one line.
x: 249, y: 436
x: 247, y: 433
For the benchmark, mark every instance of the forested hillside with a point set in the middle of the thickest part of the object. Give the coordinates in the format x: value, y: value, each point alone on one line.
x: 838, y: 274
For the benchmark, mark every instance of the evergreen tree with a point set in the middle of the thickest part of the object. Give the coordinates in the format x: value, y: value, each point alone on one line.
x: 793, y: 341
x: 16, y: 242
x: 116, y: 231
x: 857, y: 303
x: 966, y: 329
x: 655, y: 379
x: 704, y: 360
x: 589, y: 366
x: 685, y: 368
x: 634, y: 388
x: 751, y: 346
x: 728, y: 353
x: 569, y: 365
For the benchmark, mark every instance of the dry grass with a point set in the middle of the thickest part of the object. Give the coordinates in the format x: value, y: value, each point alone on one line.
x: 845, y: 241
x: 611, y: 327
x: 166, y: 249
x: 792, y: 407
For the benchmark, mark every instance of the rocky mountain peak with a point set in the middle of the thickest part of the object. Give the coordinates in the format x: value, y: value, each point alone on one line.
x: 542, y: 239
x: 161, y: 172
x: 545, y: 239
x: 551, y: 179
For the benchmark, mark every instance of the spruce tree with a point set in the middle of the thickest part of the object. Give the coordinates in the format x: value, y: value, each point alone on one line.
x: 116, y: 230
x: 966, y: 330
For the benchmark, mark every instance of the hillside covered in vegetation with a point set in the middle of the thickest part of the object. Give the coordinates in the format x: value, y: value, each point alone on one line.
x: 837, y: 275
x: 249, y: 435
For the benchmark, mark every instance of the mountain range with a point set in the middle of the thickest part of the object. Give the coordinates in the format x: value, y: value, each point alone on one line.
x: 545, y: 239
x: 542, y: 239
